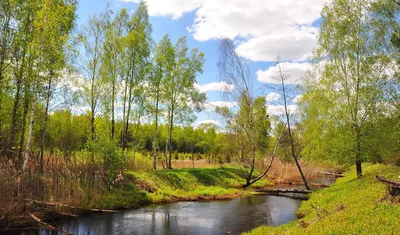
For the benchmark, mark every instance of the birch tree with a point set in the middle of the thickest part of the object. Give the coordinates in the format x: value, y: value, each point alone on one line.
x: 136, y: 59
x: 163, y: 61
x: 91, y: 39
x: 112, y: 69
x: 181, y: 97
x: 248, y: 120
x: 352, y: 86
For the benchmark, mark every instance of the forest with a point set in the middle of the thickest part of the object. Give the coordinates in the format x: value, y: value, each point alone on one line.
x: 100, y: 116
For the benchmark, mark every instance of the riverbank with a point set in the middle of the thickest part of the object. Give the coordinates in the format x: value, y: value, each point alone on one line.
x: 140, y: 188
x: 350, y: 206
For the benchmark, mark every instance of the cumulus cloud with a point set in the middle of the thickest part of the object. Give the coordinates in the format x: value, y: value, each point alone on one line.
x: 273, y: 96
x: 279, y: 110
x: 210, y: 106
x: 173, y: 8
x: 215, y: 86
x: 266, y: 27
x: 214, y: 122
x: 295, y: 72
x: 296, y: 44
x: 297, y: 99
x: 73, y: 81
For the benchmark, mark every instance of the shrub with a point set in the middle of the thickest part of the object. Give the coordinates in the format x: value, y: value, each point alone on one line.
x: 109, y: 154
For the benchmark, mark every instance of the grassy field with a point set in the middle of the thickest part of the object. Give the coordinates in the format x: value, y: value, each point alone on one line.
x: 161, y: 186
x: 350, y: 206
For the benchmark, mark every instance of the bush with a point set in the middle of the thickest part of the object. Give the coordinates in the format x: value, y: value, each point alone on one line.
x: 109, y: 154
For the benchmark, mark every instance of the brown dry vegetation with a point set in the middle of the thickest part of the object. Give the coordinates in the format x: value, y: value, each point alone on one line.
x: 64, y: 182
x: 72, y: 186
x: 287, y: 173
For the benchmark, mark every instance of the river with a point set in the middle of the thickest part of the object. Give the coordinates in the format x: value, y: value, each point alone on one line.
x: 213, y: 217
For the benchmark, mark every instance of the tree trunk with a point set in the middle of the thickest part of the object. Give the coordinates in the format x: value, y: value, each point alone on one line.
x: 301, y: 173
x: 25, y: 114
x: 43, y: 132
x: 3, y: 55
x: 269, y: 165
x: 113, y: 110
x: 358, y: 168
x: 192, y: 156
x: 16, y: 106
x: 124, y: 112
x: 171, y: 123
x: 14, y: 119
x: 126, y: 130
x: 28, y: 142
x: 294, y: 155
x: 358, y: 153
x: 156, y: 144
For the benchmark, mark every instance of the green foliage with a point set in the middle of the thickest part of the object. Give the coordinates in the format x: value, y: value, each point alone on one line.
x: 108, y: 152
x: 349, y: 100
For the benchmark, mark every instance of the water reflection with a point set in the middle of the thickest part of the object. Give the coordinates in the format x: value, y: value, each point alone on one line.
x: 217, y: 217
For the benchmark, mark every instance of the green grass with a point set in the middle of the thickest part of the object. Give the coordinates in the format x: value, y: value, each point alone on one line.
x: 363, y: 210
x: 162, y: 186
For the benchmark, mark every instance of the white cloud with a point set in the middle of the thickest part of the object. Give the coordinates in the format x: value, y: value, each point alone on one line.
x: 296, y: 44
x: 210, y: 106
x: 215, y: 86
x: 73, y: 81
x: 79, y: 109
x: 273, y: 96
x: 297, y: 99
x: 295, y: 71
x: 265, y: 27
x: 173, y: 8
x: 214, y: 122
x: 279, y: 110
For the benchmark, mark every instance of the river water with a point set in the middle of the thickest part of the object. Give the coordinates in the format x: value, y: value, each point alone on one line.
x: 214, y: 217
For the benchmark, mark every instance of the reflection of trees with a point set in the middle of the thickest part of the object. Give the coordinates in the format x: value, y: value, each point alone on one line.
x: 245, y: 213
x: 281, y: 209
x: 153, y: 223
x: 233, y: 216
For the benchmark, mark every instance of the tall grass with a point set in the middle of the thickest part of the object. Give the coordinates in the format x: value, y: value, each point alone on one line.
x: 69, y: 181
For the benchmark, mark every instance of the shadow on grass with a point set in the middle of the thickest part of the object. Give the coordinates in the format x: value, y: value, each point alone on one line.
x: 223, y: 177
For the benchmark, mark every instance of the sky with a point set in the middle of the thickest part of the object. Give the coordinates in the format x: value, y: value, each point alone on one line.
x: 260, y: 29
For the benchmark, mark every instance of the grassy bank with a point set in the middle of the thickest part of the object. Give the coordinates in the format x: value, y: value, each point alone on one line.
x: 350, y: 206
x: 161, y: 186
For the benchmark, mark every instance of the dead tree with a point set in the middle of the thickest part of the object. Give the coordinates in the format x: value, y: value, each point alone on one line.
x: 393, y: 186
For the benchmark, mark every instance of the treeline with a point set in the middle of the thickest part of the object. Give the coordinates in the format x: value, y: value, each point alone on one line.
x: 107, y: 87
x: 102, y: 87
x: 68, y: 133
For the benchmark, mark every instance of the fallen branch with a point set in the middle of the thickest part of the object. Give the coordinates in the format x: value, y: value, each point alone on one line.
x: 387, y: 181
x: 329, y: 173
x: 273, y: 191
x: 69, y: 206
x: 48, y: 226
x: 68, y: 214
x: 290, y: 195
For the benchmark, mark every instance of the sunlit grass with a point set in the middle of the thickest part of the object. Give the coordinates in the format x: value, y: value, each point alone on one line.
x: 162, y: 186
x: 363, y: 210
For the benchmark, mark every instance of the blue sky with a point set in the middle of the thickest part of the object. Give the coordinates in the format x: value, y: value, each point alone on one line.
x: 261, y: 29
